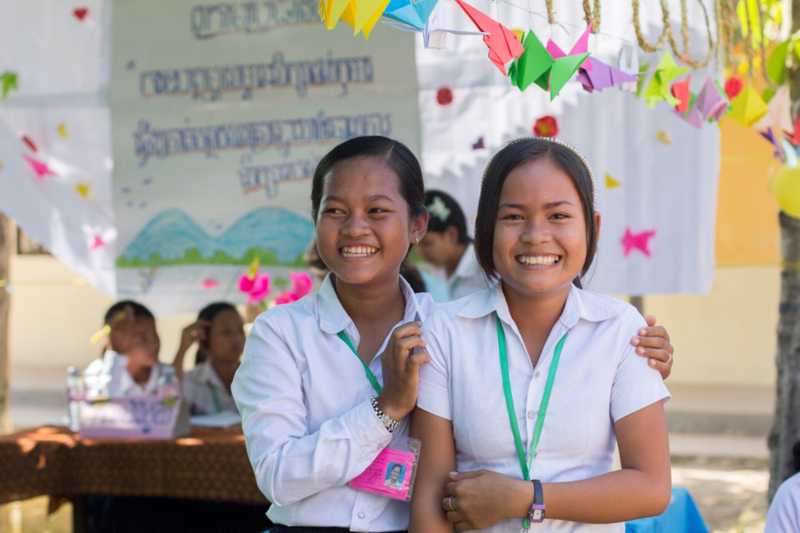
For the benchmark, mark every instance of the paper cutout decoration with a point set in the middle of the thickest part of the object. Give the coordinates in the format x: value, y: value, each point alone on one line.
x: 769, y: 135
x: 435, y: 30
x: 748, y: 107
x: 710, y: 102
x: 779, y: 112
x: 637, y: 241
x: 733, y: 86
x: 658, y: 88
x: 80, y: 13
x: 533, y: 65
x: 30, y: 143
x: 210, y: 283
x: 8, y: 80
x: 444, y: 96
x: 546, y: 126
x: 478, y: 145
x: 776, y: 64
x: 362, y: 15
x: 414, y: 14
x: 503, y: 45
x: 98, y: 336
x: 331, y: 11
x: 41, y: 169
x: 663, y: 137
x: 786, y: 187
x: 254, y: 284
x: 611, y: 183
x: 794, y: 135
x: 301, y: 286
x: 631, y: 69
x: 692, y: 116
x: 62, y: 131
x: 680, y: 90
x: 96, y: 243
x: 565, y: 65
x: 603, y: 76
x: 83, y: 189
x: 789, y: 153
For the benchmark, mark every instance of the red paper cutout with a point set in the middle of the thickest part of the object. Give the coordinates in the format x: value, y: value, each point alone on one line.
x: 794, y: 136
x: 733, y: 86
x: 637, y: 241
x: 41, y: 169
x: 97, y: 242
x: 504, y: 45
x: 546, y: 126
x: 27, y: 140
x: 680, y: 90
x: 478, y: 145
x: 80, y: 13
x: 444, y: 96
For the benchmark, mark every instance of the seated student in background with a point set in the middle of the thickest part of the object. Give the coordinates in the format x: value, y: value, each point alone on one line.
x: 129, y: 366
x: 448, y: 246
x: 219, y: 332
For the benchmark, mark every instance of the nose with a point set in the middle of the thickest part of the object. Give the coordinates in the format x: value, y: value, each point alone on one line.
x: 536, y: 231
x: 355, y: 226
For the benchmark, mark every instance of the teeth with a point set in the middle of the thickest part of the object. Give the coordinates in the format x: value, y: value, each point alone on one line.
x: 538, y: 259
x: 358, y: 251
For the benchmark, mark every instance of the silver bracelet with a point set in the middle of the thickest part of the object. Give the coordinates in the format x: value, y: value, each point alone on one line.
x: 387, y: 421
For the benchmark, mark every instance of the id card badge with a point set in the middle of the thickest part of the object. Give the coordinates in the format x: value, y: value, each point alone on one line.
x: 393, y: 472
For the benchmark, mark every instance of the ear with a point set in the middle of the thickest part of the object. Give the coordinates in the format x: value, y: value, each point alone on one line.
x: 597, y: 220
x: 451, y: 233
x: 419, y: 226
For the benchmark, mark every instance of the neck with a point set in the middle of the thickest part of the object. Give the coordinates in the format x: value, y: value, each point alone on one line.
x: 139, y: 373
x: 225, y: 370
x: 452, y: 265
x: 370, y: 303
x: 535, y: 314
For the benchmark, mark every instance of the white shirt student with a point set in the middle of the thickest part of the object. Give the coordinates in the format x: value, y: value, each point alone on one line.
x: 468, y: 278
x: 599, y: 380
x: 307, y: 417
x: 784, y: 512
x: 205, y: 392
x: 109, y: 376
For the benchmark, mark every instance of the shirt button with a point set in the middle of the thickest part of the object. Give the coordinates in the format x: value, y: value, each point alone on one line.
x: 531, y: 415
x: 361, y: 515
x: 536, y: 374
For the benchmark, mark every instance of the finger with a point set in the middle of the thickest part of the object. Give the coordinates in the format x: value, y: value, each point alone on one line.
x: 651, y: 320
x: 663, y: 368
x: 464, y: 526
x: 460, y: 476
x: 419, y: 357
x: 406, y: 330
x: 654, y: 353
x: 450, y: 489
x: 654, y: 331
x: 455, y: 516
x: 449, y: 504
x: 403, y: 350
x: 651, y: 342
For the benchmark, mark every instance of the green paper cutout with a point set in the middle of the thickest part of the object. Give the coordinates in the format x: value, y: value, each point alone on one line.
x: 659, y: 86
x: 776, y: 64
x: 767, y: 95
x: 534, y: 63
x: 640, y: 84
x: 9, y: 82
x: 562, y: 70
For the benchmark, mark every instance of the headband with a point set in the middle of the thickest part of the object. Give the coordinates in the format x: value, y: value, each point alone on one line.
x: 438, y: 209
x: 580, y: 156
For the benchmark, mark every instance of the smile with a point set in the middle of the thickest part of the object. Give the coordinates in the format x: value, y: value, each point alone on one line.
x: 358, y: 251
x: 544, y: 260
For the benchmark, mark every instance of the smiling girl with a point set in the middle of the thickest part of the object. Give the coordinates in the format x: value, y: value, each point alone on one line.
x: 532, y: 383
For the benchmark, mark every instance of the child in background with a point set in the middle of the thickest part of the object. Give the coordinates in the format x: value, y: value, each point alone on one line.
x: 129, y: 366
x: 448, y: 246
x: 219, y: 332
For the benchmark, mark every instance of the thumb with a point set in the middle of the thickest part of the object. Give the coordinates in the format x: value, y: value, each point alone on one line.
x: 460, y: 476
x: 651, y: 320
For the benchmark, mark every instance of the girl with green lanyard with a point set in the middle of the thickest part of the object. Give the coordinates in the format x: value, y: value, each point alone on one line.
x: 532, y: 383
x: 219, y: 334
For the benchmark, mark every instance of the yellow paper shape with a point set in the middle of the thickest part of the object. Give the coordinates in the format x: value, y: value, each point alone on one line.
x: 362, y: 15
x: 83, y: 189
x: 253, y: 270
x: 62, y: 130
x: 105, y: 330
x: 663, y: 137
x: 748, y: 107
x: 518, y: 33
x: 367, y: 28
x: 1, y: 166
x: 332, y: 11
x: 611, y: 182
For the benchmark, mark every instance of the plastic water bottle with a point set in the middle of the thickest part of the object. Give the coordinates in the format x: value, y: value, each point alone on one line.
x: 76, y: 394
x: 168, y: 385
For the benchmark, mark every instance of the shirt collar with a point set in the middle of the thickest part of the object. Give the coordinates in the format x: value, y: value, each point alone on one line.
x: 333, y: 318
x: 207, y: 374
x: 467, y: 265
x: 580, y: 305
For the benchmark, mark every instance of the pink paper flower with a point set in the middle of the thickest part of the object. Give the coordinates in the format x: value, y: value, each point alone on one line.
x: 257, y: 288
x: 286, y: 297
x: 301, y: 286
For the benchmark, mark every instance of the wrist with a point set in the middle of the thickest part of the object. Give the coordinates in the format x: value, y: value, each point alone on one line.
x: 521, y: 499
x: 390, y: 410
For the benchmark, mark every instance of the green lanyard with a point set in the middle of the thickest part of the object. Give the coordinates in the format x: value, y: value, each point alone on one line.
x: 370, y: 375
x: 512, y: 417
x: 453, y: 288
x: 214, y: 397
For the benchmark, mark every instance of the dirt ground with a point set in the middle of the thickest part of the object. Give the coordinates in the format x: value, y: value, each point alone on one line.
x: 731, y: 495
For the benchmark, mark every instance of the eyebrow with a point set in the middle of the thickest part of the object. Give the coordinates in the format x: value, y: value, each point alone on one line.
x: 372, y: 198
x: 549, y: 205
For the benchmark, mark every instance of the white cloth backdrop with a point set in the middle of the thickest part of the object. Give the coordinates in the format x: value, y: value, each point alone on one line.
x: 64, y: 68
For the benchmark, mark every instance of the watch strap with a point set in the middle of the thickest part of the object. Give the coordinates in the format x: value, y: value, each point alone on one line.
x: 538, y: 496
x: 388, y: 422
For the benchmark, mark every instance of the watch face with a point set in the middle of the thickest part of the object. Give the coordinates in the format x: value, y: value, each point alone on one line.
x: 537, y: 515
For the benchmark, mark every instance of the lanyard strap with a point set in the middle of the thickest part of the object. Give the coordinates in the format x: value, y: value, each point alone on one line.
x: 214, y: 397
x: 453, y: 288
x: 370, y: 376
x: 501, y: 340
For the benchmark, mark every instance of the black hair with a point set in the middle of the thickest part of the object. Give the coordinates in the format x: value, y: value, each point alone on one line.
x: 413, y: 276
x: 796, y: 456
x: 394, y: 153
x: 208, y: 313
x: 139, y: 311
x: 446, y: 213
x: 502, y: 163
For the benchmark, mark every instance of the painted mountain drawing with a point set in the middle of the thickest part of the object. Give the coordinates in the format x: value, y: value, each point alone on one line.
x: 276, y: 236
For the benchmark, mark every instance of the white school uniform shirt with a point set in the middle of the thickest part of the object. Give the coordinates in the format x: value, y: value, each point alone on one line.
x: 599, y: 380
x: 784, y: 512
x: 308, y: 422
x: 467, y: 278
x: 198, y: 384
x: 110, y: 376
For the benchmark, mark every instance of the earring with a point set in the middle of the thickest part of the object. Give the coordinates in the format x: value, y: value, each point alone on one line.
x: 417, y: 240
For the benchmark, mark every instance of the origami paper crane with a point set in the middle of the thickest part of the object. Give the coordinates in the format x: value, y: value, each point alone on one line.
x: 255, y: 285
x: 658, y: 88
x: 8, y: 80
x: 680, y: 90
x: 537, y: 65
x: 362, y: 15
x: 434, y: 32
x: 769, y: 135
x: 748, y: 107
x: 603, y: 76
x: 631, y: 69
x: 503, y: 45
x: 331, y: 11
x: 580, y: 47
x: 692, y: 116
x: 637, y: 241
x: 41, y: 169
x: 414, y: 14
x: 710, y: 101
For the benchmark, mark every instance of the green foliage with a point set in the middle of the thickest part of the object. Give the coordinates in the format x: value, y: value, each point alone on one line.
x: 193, y: 256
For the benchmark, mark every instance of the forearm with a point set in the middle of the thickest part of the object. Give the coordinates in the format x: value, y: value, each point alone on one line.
x: 177, y: 363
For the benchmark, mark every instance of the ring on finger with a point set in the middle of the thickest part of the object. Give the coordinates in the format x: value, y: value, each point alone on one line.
x: 450, y: 503
x: 669, y: 361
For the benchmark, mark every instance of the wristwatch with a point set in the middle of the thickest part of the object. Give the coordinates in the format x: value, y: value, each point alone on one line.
x: 536, y: 512
x: 387, y: 421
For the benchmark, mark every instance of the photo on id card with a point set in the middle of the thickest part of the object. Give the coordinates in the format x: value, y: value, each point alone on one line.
x: 393, y: 472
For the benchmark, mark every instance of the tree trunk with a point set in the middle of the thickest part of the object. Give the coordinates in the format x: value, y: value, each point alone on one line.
x: 6, y: 243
